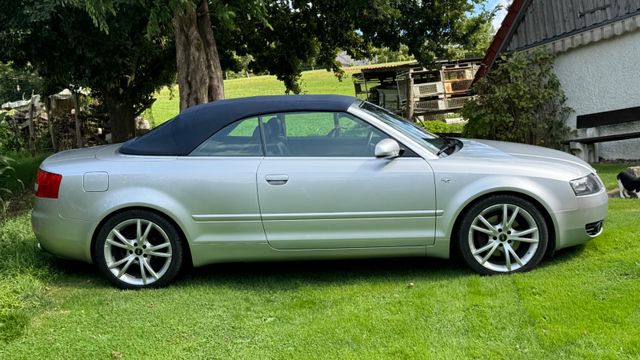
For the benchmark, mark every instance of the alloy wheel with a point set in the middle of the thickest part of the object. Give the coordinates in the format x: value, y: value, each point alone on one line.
x: 138, y: 252
x: 503, y: 238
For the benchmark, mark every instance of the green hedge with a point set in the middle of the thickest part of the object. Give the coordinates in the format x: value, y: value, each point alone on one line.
x: 437, y: 126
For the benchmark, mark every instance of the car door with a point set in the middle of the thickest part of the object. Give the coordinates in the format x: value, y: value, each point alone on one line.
x: 219, y: 187
x: 321, y: 187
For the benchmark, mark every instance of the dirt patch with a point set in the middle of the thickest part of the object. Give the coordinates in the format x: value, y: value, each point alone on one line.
x: 19, y: 204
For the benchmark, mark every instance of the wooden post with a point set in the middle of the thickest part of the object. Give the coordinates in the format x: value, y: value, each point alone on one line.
x: 76, y: 106
x: 50, y: 123
x: 32, y: 143
x: 17, y: 130
x: 410, y: 100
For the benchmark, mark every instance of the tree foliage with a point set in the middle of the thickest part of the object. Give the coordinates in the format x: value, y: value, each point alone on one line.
x: 122, y: 67
x: 18, y: 83
x: 282, y: 36
x: 519, y: 100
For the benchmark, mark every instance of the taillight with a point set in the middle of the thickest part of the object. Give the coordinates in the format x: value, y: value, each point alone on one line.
x: 47, y: 184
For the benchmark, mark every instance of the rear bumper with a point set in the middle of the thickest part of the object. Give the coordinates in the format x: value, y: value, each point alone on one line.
x: 571, y: 226
x: 65, y: 238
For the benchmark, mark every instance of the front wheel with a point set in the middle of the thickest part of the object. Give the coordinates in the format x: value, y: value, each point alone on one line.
x: 503, y: 234
x: 138, y: 249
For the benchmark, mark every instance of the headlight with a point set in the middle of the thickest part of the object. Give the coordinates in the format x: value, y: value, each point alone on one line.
x: 586, y: 186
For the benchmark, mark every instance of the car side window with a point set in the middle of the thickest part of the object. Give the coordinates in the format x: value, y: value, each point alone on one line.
x: 319, y: 134
x: 241, y: 138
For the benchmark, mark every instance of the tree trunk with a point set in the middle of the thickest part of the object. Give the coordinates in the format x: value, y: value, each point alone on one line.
x: 122, y: 118
x: 200, y: 77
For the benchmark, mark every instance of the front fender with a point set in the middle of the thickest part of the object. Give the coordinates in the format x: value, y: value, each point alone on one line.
x: 454, y: 197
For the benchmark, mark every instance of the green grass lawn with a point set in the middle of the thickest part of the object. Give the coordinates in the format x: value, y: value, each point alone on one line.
x: 584, y: 303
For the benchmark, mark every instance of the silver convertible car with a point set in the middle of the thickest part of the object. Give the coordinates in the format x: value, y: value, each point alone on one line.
x: 309, y: 177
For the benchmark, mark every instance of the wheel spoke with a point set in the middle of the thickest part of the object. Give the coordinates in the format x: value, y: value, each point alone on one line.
x: 482, y: 230
x: 121, y: 237
x: 486, y: 223
x: 525, y: 232
x: 118, y: 244
x: 120, y: 262
x: 150, y: 269
x: 493, y: 249
x: 525, y: 240
x: 158, y: 247
x: 484, y: 248
x: 505, y: 216
x: 515, y: 256
x: 125, y: 267
x: 512, y: 219
x: 139, y: 230
x: 507, y: 257
x: 142, y: 272
x: 146, y: 232
x: 159, y: 254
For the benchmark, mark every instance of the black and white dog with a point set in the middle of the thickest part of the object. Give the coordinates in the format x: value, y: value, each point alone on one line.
x: 629, y: 184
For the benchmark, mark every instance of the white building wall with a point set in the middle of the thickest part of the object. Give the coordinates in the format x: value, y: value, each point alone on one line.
x: 604, y: 76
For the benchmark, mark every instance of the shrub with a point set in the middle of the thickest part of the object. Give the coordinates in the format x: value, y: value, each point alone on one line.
x: 520, y: 100
x: 7, y: 177
x: 437, y: 126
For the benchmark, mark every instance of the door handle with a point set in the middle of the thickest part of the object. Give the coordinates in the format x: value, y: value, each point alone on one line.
x: 277, y: 179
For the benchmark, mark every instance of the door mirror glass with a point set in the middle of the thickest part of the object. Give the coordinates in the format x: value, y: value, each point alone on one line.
x: 387, y: 149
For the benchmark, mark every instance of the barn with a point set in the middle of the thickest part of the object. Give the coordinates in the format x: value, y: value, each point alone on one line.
x: 597, y: 48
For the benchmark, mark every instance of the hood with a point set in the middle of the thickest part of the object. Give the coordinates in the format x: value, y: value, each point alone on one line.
x: 525, y: 155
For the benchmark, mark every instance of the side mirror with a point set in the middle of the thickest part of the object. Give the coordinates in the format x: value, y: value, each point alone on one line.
x: 387, y: 149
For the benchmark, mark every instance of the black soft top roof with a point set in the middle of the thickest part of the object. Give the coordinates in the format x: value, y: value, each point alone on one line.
x: 182, y: 134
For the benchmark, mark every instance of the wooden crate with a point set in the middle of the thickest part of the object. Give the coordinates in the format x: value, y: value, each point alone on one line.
x: 430, y: 105
x: 457, y: 102
x: 458, y: 86
x: 428, y: 89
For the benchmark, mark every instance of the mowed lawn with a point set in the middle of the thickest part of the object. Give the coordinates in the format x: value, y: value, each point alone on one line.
x: 584, y: 303
x: 167, y: 104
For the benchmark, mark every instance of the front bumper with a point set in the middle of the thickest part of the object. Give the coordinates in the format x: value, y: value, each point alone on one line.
x: 575, y: 227
x: 65, y: 238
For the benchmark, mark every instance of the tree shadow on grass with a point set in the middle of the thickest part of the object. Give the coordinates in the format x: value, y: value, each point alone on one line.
x: 281, y: 275
x: 290, y: 275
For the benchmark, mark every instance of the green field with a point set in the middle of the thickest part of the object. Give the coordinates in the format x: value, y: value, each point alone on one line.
x: 581, y: 304
x: 313, y: 82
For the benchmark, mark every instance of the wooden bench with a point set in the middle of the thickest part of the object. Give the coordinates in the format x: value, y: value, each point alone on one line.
x: 585, y: 146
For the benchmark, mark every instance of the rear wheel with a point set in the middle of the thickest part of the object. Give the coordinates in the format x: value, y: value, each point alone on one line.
x: 503, y: 234
x: 137, y: 249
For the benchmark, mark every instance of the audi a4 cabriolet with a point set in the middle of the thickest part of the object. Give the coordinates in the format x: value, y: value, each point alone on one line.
x: 308, y: 177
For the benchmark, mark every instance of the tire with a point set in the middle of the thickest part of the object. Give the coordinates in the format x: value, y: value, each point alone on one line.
x: 491, y: 243
x: 138, y: 249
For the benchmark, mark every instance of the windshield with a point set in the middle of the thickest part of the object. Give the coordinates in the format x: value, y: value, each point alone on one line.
x: 415, y: 132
